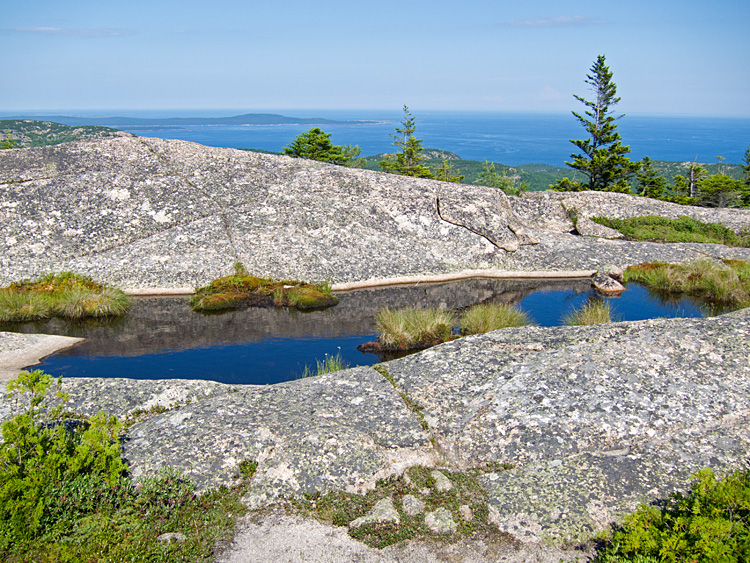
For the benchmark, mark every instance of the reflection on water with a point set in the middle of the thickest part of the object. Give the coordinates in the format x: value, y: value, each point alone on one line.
x: 161, y: 338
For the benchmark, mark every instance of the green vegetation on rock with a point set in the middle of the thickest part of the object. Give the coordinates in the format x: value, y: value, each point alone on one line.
x: 683, y: 229
x: 413, y: 499
x: 29, y: 133
x: 481, y: 318
x: 65, y: 295
x: 410, y: 327
x: 242, y: 290
x: 593, y: 312
x: 710, y: 523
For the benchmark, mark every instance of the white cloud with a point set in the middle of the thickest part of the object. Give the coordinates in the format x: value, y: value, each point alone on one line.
x: 549, y: 94
x: 97, y: 32
x: 559, y: 21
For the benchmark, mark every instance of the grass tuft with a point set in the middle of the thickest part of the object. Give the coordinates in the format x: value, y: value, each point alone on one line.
x: 724, y: 283
x: 592, y: 313
x: 329, y: 365
x: 64, y: 295
x: 410, y: 327
x: 486, y: 318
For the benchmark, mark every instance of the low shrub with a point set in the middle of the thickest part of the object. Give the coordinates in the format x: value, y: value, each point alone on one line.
x: 592, y: 313
x: 486, y: 318
x: 683, y: 229
x: 411, y: 327
x: 710, y: 523
x: 65, y: 496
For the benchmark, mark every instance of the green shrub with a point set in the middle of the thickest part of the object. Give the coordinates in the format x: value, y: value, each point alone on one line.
x: 37, y: 452
x: 682, y: 229
x: 711, y: 523
x: 592, y: 313
x: 64, y: 496
x: 486, y: 318
x: 410, y: 327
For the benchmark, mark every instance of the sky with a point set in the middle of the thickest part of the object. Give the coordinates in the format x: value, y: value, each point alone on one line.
x: 686, y: 57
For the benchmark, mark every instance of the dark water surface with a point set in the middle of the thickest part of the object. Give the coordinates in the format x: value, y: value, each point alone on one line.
x: 161, y: 338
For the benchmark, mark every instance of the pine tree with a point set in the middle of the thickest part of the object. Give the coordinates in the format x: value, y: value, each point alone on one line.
x: 746, y: 188
x: 408, y: 161
x: 603, y: 159
x: 650, y: 182
x: 316, y: 145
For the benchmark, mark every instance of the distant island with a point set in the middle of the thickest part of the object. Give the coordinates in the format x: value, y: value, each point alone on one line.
x: 176, y: 122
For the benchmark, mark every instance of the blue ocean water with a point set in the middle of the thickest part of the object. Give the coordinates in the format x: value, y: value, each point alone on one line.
x: 507, y: 138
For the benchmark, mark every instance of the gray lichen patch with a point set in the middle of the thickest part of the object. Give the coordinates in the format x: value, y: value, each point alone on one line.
x: 643, y: 404
x: 333, y: 432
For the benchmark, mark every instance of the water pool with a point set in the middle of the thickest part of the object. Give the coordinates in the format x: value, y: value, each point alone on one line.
x: 161, y: 338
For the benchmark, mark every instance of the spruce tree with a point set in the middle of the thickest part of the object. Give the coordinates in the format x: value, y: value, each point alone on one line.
x: 407, y: 162
x: 602, y: 159
x: 650, y: 182
x: 316, y: 145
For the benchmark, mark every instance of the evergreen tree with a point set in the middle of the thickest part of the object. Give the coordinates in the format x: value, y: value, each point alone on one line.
x: 493, y: 179
x: 603, y: 159
x: 407, y: 162
x: 316, y: 145
x: 9, y: 143
x: 650, y: 182
x: 746, y: 188
x: 446, y: 173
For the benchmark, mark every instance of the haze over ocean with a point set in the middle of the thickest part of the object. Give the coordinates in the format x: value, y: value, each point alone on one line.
x: 507, y: 138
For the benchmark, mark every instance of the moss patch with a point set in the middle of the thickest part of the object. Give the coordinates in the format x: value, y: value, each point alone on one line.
x: 467, y: 502
x: 242, y: 290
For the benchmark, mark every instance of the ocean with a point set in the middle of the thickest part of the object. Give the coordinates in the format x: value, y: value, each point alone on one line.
x: 506, y: 138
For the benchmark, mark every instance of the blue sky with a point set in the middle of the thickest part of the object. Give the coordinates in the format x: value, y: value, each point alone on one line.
x: 668, y: 57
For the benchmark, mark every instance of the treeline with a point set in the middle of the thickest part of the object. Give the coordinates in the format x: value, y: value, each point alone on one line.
x: 601, y: 163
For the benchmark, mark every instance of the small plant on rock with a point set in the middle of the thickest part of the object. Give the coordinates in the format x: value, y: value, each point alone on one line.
x: 592, y: 313
x: 486, y: 318
x: 410, y: 327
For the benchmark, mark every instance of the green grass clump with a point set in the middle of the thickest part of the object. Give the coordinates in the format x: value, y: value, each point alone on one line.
x: 710, y: 523
x: 65, y: 495
x: 486, y: 318
x: 592, y: 313
x: 410, y: 327
x: 726, y: 283
x: 329, y: 365
x: 682, y: 229
x: 65, y: 295
x: 241, y: 290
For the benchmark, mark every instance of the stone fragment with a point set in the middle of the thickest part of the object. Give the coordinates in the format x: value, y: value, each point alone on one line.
x: 442, y: 483
x: 441, y: 521
x: 412, y: 505
x: 614, y: 272
x: 605, y: 284
x: 466, y: 512
x: 172, y: 536
x: 383, y: 511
